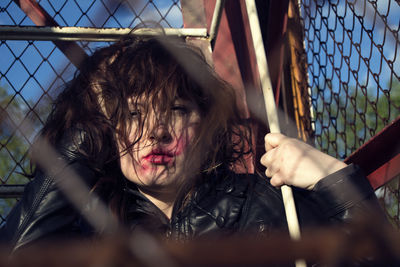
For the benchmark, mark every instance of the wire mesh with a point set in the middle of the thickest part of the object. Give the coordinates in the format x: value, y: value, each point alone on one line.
x: 352, y: 51
x: 32, y: 73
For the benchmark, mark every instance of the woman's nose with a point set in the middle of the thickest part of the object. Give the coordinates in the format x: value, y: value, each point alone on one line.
x: 161, y: 134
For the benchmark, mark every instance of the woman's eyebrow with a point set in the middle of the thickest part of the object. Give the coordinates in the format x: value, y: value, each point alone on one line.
x: 182, y: 101
x: 136, y: 104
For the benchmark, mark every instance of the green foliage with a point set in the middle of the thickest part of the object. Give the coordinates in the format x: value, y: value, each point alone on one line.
x: 389, y: 197
x: 350, y: 118
x: 19, y: 120
x: 13, y: 145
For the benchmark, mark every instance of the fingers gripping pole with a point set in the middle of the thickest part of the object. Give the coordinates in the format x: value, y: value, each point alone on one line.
x: 272, y: 114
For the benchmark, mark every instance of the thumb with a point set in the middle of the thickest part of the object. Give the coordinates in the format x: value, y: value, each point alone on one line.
x: 273, y: 140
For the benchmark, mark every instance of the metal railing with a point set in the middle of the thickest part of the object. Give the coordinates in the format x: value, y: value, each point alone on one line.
x: 352, y: 51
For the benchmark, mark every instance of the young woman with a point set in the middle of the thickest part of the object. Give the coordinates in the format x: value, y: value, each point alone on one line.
x: 158, y: 142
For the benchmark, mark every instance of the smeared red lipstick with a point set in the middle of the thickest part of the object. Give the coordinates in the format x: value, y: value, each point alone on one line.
x: 159, y: 157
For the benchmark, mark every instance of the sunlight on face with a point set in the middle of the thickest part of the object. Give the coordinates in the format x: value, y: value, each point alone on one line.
x: 156, y: 162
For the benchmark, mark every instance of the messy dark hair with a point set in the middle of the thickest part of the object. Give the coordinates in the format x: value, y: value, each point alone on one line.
x: 160, y: 70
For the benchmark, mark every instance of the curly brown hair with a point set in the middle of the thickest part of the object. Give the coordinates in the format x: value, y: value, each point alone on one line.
x: 160, y: 70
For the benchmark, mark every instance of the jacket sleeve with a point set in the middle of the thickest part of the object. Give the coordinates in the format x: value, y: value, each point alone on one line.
x: 44, y: 211
x: 346, y: 194
x: 337, y: 198
x: 340, y: 197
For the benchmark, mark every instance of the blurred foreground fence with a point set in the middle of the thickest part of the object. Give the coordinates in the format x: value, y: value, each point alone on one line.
x: 324, y: 246
x: 351, y: 50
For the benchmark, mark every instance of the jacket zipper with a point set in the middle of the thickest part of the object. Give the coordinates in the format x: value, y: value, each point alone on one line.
x: 36, y: 202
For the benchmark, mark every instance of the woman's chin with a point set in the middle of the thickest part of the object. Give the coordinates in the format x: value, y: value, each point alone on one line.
x: 159, y: 189
x: 160, y: 181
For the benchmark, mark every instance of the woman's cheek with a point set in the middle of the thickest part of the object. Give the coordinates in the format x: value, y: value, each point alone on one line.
x: 144, y: 166
x: 183, y: 142
x: 124, y: 164
x: 180, y: 146
x: 130, y: 167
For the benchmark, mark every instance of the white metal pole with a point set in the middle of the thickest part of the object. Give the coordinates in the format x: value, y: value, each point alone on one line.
x: 216, y: 19
x: 90, y: 34
x: 272, y: 114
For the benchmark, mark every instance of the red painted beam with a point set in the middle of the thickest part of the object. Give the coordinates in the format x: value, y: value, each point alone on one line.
x: 40, y: 17
x: 241, y: 38
x: 234, y: 48
x: 380, y: 156
x: 275, y: 22
x: 194, y: 16
x: 234, y: 58
x: 193, y: 13
x: 225, y: 54
x: 385, y: 173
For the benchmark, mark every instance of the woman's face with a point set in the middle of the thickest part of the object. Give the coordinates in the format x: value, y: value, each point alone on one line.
x: 156, y: 162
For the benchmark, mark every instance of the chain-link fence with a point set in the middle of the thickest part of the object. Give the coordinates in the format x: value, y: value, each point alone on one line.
x: 353, y: 63
x: 32, y: 73
x: 351, y: 51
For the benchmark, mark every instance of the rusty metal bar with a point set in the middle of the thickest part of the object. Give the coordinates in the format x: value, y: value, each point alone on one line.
x: 301, y: 101
x: 40, y: 17
x: 378, y: 157
x: 234, y: 61
x: 89, y: 34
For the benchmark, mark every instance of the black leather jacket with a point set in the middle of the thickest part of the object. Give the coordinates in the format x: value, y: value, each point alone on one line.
x: 234, y: 203
x: 223, y: 204
x: 227, y: 203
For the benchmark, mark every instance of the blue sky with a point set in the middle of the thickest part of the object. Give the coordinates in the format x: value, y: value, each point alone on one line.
x: 31, y: 76
x: 352, y: 48
x: 70, y: 14
x: 351, y: 28
x: 41, y: 69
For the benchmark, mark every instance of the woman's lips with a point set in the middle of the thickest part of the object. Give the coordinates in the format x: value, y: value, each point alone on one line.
x: 159, y: 158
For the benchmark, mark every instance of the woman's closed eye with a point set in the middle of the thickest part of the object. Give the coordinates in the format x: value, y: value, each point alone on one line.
x: 180, y: 109
x: 135, y: 113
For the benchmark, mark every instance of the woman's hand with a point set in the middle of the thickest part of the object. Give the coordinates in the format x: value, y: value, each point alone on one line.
x: 293, y: 162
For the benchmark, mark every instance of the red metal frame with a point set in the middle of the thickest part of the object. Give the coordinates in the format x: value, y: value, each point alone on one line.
x: 234, y: 61
x: 226, y: 53
x: 40, y: 17
x: 380, y: 156
x: 234, y: 57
